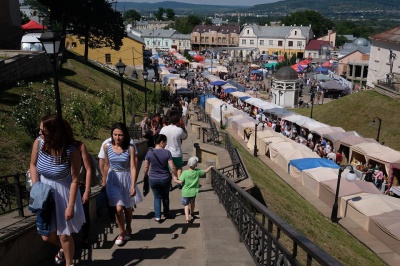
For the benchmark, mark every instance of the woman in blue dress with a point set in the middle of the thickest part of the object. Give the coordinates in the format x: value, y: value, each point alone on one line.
x: 55, y: 161
x: 120, y: 175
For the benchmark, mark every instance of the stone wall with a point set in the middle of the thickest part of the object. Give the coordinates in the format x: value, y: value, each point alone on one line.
x: 21, y: 65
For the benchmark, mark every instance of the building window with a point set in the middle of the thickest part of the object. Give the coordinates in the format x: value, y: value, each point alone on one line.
x: 212, y: 39
x: 148, y: 43
x: 290, y: 44
x: 248, y: 31
x: 271, y: 42
x: 173, y: 41
x: 299, y: 44
x: 195, y: 39
x: 166, y: 44
x: 252, y: 42
x: 295, y: 32
x: 280, y: 43
x: 261, y: 42
x: 108, y: 58
x: 159, y: 43
x: 244, y: 42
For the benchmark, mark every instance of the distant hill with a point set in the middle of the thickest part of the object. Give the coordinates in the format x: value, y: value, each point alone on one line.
x: 388, y: 9
x: 176, y: 6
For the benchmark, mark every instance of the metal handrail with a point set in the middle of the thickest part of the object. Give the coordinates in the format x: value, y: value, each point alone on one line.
x: 261, y: 230
x: 13, y: 194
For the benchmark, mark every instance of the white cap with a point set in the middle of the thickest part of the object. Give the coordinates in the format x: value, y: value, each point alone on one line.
x: 192, y: 162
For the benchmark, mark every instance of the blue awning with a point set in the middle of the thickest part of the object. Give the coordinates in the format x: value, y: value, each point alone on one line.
x: 229, y: 90
x: 308, y: 163
x: 244, y: 98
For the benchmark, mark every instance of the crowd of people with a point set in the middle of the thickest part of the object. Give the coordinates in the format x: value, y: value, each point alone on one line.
x: 57, y: 160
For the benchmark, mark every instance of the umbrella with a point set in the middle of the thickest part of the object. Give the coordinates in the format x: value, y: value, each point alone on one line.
x: 322, y: 77
x: 243, y: 98
x: 180, y: 61
x: 228, y: 90
x: 297, y: 67
x: 304, y: 62
x: 198, y: 58
x: 332, y: 85
x: 218, y: 83
x: 183, y: 91
x: 327, y: 64
x: 322, y: 70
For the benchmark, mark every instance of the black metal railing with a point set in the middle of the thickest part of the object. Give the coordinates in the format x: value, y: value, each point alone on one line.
x: 269, y: 239
x: 13, y: 194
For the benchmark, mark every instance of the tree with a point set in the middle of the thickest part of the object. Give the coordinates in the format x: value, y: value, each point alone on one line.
x: 319, y: 24
x: 170, y: 13
x: 340, y: 40
x: 208, y: 22
x: 24, y: 18
x: 95, y: 22
x: 132, y: 15
x: 160, y: 13
x: 185, y: 25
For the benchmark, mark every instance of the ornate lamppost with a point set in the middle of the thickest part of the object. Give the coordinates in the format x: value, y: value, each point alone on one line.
x: 145, y: 75
x: 121, y: 70
x: 51, y: 43
x: 154, y: 94
x: 379, y: 126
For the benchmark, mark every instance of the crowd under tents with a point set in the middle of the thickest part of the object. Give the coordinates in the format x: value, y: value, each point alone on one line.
x: 320, y: 175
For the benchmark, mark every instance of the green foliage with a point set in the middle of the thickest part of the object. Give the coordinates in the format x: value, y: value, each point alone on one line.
x: 208, y: 21
x: 132, y: 15
x: 319, y: 23
x: 340, y: 40
x: 24, y: 18
x: 87, y: 115
x: 170, y: 13
x: 188, y: 56
x: 134, y: 102
x: 32, y: 107
x: 185, y: 25
x: 159, y: 14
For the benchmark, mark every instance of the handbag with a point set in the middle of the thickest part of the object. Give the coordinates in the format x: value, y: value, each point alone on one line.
x: 146, y: 185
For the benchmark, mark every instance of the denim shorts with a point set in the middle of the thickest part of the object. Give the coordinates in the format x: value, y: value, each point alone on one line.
x: 188, y: 200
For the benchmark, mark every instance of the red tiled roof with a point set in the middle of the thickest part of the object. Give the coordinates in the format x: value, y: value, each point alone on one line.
x: 392, y: 35
x: 316, y: 44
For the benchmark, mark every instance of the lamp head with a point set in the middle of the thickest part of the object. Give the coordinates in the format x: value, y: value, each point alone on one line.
x: 145, y: 74
x: 121, y: 67
x: 351, y: 176
x: 373, y: 122
x: 154, y: 79
x: 51, y: 43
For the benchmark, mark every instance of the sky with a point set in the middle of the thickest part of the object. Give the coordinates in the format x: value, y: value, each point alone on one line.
x: 212, y: 2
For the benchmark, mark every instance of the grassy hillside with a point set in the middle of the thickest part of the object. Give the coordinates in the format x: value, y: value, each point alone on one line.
x: 356, y: 111
x: 75, y: 78
x: 301, y: 215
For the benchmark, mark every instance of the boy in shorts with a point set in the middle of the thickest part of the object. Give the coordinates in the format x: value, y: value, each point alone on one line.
x: 190, y: 180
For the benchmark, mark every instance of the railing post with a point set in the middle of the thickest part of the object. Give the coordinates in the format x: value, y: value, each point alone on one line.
x: 209, y: 162
x: 18, y: 194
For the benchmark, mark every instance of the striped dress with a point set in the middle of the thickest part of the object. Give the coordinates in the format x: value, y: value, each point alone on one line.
x: 119, y: 180
x: 58, y: 176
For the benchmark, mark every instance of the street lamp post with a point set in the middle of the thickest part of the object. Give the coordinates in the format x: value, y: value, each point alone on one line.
x: 350, y: 176
x: 145, y: 75
x: 154, y: 94
x: 379, y: 126
x: 51, y: 44
x: 312, y: 101
x: 161, y: 92
x: 121, y: 69
x: 220, y: 112
x: 255, y: 138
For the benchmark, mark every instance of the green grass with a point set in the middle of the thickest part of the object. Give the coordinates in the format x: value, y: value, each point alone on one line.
x: 74, y: 78
x: 356, y: 111
x: 301, y: 215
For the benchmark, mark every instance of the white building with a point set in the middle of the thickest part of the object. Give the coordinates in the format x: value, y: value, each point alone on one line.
x: 384, y: 61
x: 276, y: 39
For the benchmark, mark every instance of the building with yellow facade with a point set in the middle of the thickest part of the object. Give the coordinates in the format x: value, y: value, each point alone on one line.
x: 131, y: 52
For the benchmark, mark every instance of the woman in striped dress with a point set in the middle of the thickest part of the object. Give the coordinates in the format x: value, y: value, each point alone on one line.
x: 57, y: 162
x: 120, y: 174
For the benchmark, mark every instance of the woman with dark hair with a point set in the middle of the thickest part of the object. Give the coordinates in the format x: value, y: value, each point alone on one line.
x: 55, y: 161
x: 159, y: 162
x: 120, y: 174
